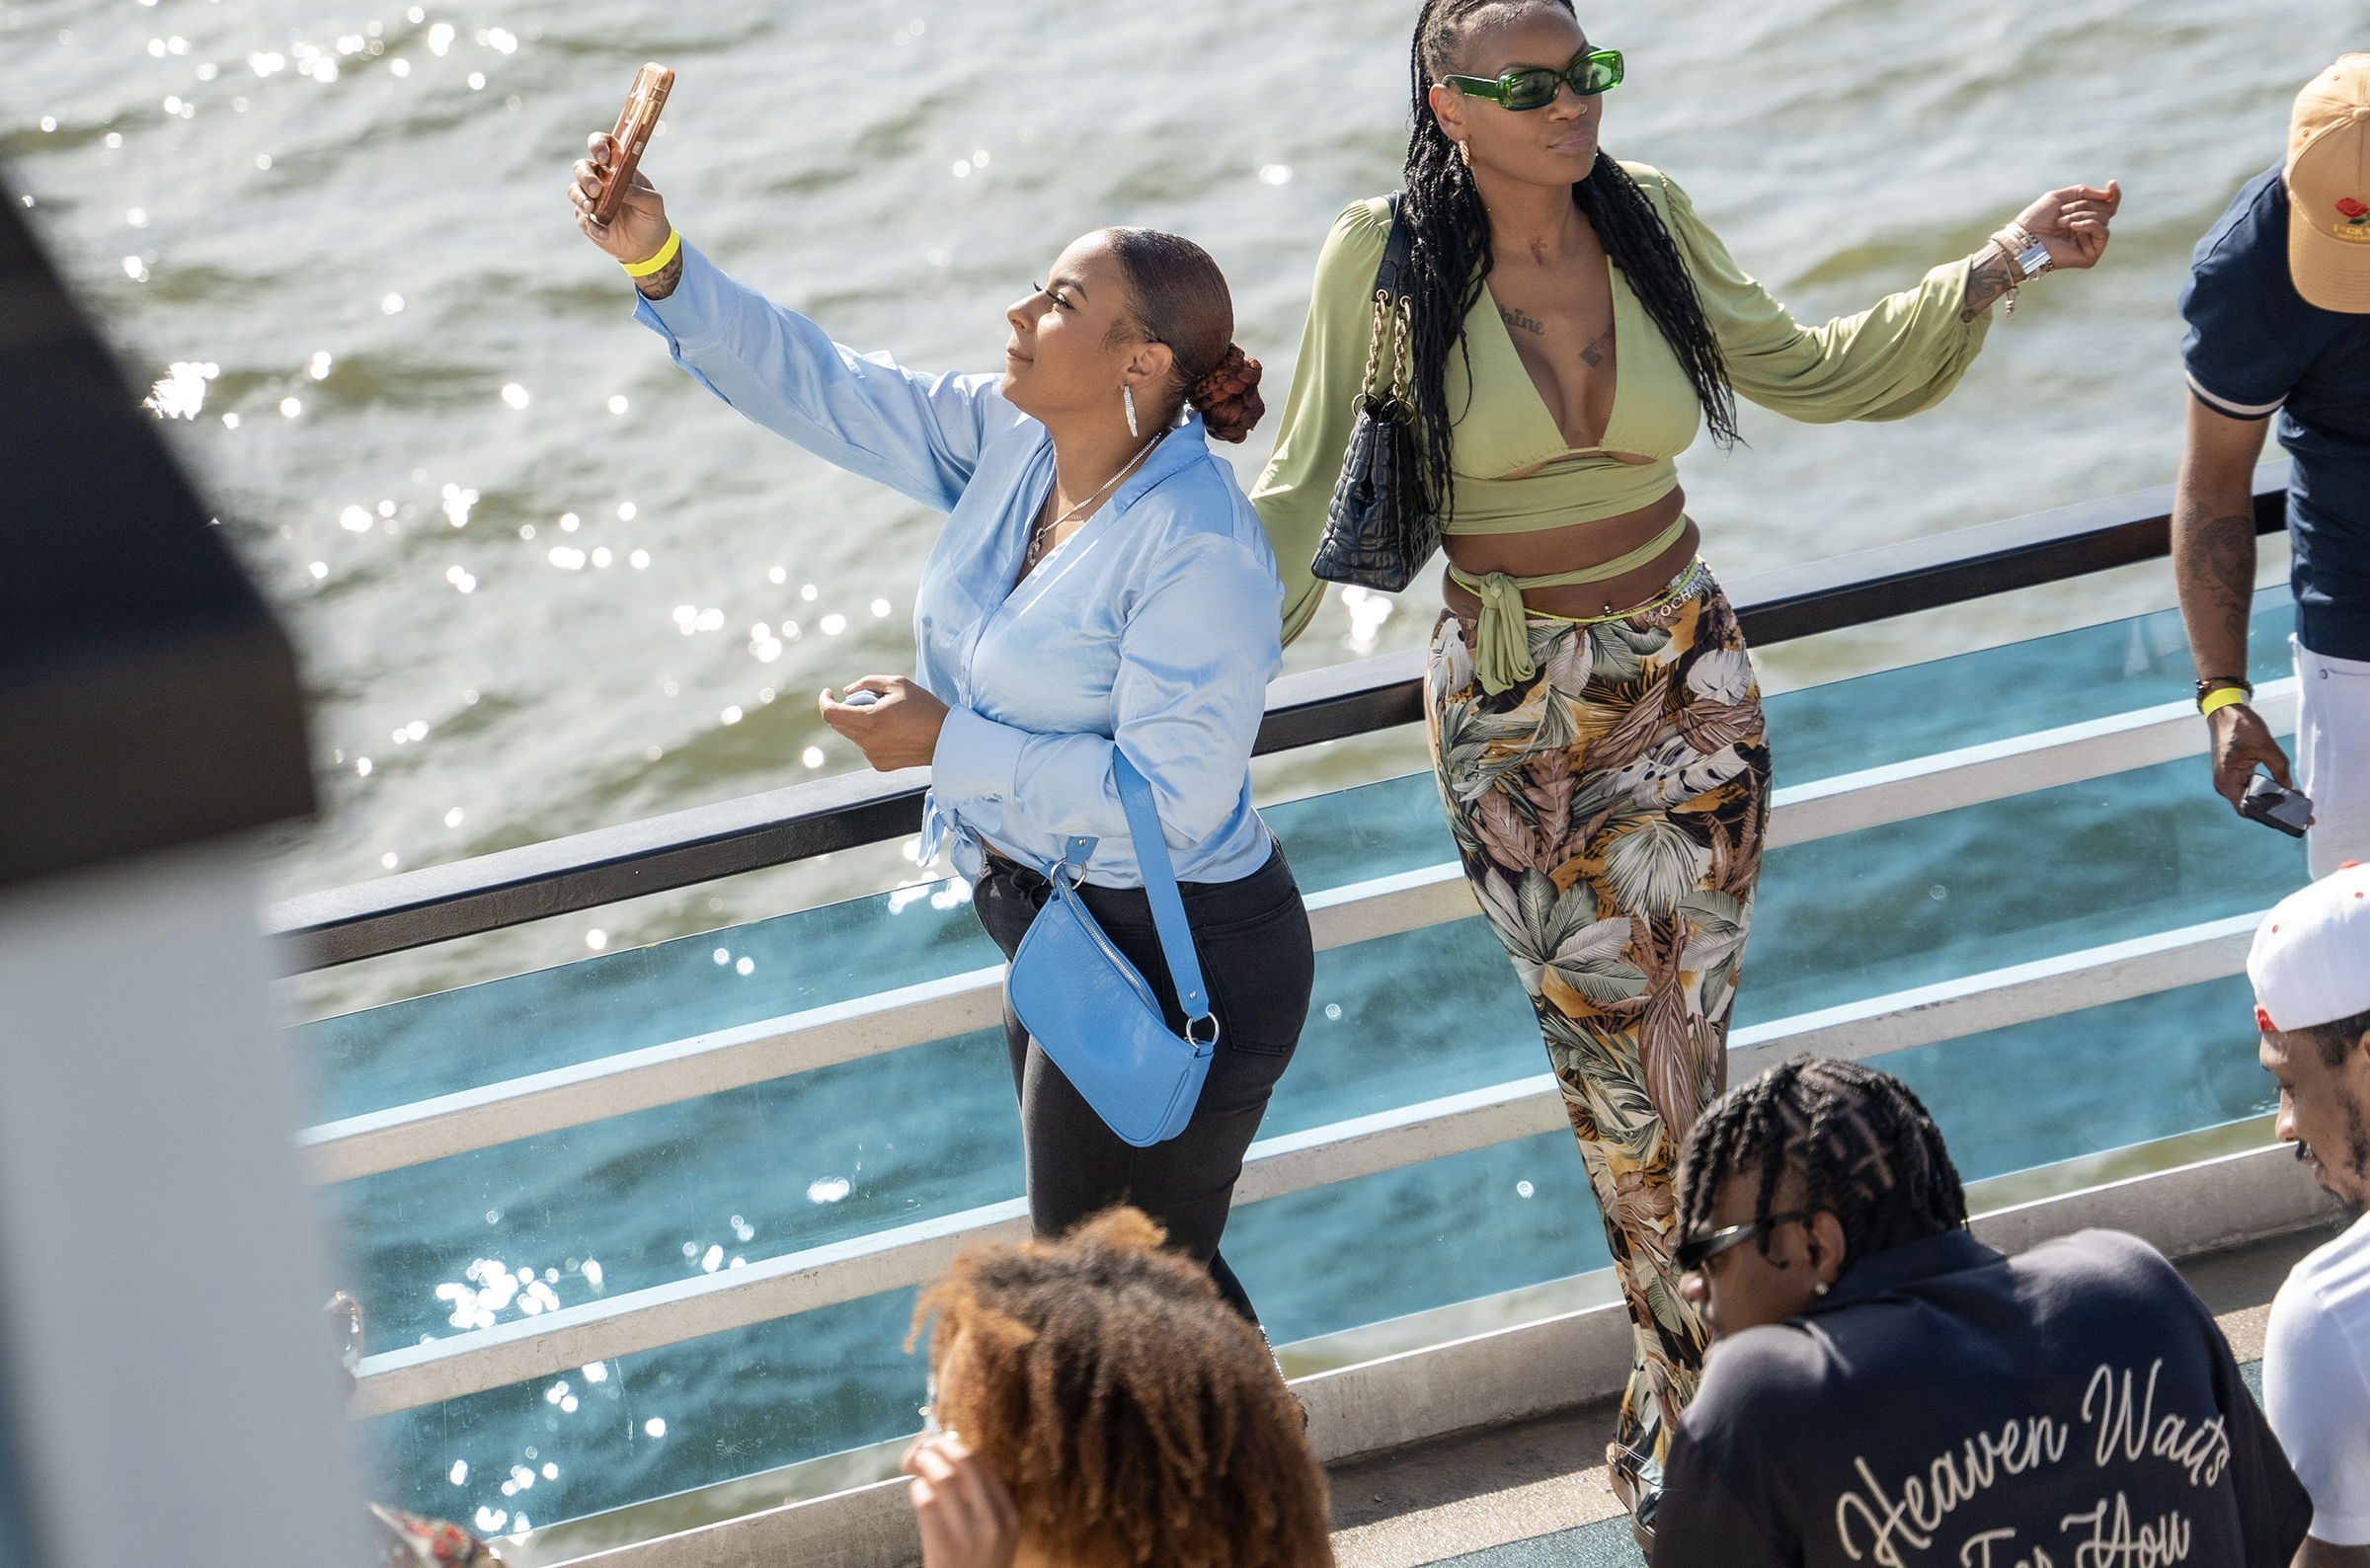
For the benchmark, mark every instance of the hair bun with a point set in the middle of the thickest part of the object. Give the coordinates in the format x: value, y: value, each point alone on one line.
x: 1228, y: 398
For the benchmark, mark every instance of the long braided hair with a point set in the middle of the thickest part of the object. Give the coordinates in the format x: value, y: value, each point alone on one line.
x: 1450, y: 257
x: 1859, y: 1141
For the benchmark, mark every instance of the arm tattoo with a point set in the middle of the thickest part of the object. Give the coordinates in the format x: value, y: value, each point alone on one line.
x: 1594, y: 354
x: 1529, y: 324
x: 2224, y: 566
x: 1987, y: 281
x: 661, y: 283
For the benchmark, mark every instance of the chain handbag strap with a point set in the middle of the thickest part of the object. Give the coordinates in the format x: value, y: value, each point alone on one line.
x: 1395, y: 312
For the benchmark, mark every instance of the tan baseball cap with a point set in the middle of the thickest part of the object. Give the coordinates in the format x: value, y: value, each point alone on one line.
x: 2329, y: 188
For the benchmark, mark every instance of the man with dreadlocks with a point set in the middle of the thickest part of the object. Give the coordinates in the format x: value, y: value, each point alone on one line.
x: 1885, y: 1387
x: 1595, y: 723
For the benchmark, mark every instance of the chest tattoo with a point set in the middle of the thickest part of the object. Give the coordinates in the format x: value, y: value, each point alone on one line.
x: 1597, y: 347
x: 1529, y: 324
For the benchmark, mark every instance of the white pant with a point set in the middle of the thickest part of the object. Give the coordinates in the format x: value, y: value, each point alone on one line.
x: 2332, y: 755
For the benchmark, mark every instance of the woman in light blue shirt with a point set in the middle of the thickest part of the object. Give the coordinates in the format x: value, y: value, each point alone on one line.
x: 1100, y: 584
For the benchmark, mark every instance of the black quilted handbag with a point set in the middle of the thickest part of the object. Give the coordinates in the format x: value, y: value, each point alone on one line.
x: 1380, y: 527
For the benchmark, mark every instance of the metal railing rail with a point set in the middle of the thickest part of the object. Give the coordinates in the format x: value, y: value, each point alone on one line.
x: 884, y: 1260
x: 773, y: 1048
x: 608, y: 865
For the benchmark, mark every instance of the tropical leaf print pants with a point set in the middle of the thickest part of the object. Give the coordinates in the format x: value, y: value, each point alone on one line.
x: 1609, y: 811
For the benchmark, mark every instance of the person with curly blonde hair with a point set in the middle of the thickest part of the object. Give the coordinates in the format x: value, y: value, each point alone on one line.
x: 1095, y: 1404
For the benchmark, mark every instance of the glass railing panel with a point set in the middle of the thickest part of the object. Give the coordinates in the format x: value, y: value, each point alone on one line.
x: 724, y: 1405
x: 557, y: 1017
x: 2002, y: 883
x: 669, y: 1193
x: 1997, y: 693
x: 2104, y: 1077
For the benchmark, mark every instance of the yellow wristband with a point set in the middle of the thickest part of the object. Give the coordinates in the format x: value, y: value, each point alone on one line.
x: 2226, y: 696
x: 667, y: 253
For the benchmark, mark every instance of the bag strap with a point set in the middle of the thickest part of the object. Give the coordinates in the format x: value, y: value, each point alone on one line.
x: 1160, y: 887
x: 1396, y: 249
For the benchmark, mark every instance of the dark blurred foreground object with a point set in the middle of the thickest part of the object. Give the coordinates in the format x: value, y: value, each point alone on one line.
x: 149, y: 718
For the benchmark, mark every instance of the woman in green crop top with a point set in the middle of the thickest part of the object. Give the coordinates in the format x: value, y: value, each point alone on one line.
x: 1595, y: 722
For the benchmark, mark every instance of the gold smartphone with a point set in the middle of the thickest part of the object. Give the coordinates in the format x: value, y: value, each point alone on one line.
x: 637, y: 123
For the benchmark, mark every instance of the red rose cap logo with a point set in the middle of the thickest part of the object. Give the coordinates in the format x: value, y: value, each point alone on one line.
x: 2352, y: 209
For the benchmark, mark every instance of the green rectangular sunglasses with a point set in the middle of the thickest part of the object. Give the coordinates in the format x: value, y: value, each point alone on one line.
x: 1590, y: 73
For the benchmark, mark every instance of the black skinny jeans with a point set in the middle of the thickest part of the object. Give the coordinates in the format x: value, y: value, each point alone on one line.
x: 1252, y: 936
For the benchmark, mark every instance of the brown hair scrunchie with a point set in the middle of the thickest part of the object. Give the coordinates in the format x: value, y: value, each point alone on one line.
x: 1228, y: 398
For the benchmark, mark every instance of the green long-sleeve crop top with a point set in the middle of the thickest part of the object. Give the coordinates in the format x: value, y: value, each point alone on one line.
x: 1898, y: 357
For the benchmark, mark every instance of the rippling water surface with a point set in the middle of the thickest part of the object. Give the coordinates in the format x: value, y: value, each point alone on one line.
x: 544, y: 582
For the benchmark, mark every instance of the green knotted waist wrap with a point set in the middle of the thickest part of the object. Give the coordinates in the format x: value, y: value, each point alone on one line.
x: 1501, y: 645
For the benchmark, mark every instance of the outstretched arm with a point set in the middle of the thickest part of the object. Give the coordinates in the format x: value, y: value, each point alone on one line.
x: 2213, y: 563
x: 919, y: 434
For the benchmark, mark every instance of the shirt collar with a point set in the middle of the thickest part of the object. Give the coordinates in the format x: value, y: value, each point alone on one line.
x: 1176, y: 451
x: 1929, y: 1257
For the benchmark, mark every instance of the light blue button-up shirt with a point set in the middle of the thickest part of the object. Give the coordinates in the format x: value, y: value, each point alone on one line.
x: 1154, y: 627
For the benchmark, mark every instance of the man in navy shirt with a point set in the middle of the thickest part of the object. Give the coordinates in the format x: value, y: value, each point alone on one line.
x: 1886, y: 1391
x: 2278, y: 308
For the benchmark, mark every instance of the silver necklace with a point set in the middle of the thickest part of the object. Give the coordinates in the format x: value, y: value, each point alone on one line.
x: 1044, y: 531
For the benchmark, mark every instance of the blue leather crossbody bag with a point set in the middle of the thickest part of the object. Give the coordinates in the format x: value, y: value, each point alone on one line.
x: 1089, y: 1008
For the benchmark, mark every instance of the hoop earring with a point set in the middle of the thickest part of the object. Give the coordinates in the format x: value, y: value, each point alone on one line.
x: 1127, y: 396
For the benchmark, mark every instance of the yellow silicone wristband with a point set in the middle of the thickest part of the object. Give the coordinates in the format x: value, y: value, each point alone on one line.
x: 667, y: 253
x: 2226, y: 696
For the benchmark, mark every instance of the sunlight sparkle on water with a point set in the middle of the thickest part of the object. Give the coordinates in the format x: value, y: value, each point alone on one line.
x: 135, y: 270
x: 655, y: 1427
x: 812, y: 756
x: 392, y: 304
x: 596, y: 939
x: 290, y: 408
x: 618, y: 404
x: 319, y: 569
x: 354, y: 520
x: 319, y: 368
x: 515, y: 395
x: 625, y: 511
x: 747, y: 966
x: 460, y: 1471
x: 833, y: 625
x: 830, y: 1189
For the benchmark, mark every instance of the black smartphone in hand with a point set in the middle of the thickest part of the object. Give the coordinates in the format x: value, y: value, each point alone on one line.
x: 2289, y: 811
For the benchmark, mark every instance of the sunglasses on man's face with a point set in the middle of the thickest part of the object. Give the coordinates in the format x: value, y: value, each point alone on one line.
x: 1533, y: 87
x: 1692, y: 1254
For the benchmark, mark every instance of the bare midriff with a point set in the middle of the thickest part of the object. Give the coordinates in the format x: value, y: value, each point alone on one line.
x: 1545, y: 552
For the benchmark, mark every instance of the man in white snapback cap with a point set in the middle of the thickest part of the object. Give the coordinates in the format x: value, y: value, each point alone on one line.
x: 2310, y: 969
x: 2278, y: 309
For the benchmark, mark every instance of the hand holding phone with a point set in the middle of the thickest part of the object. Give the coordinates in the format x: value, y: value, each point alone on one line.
x: 2289, y: 811
x: 619, y: 211
x: 637, y: 123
